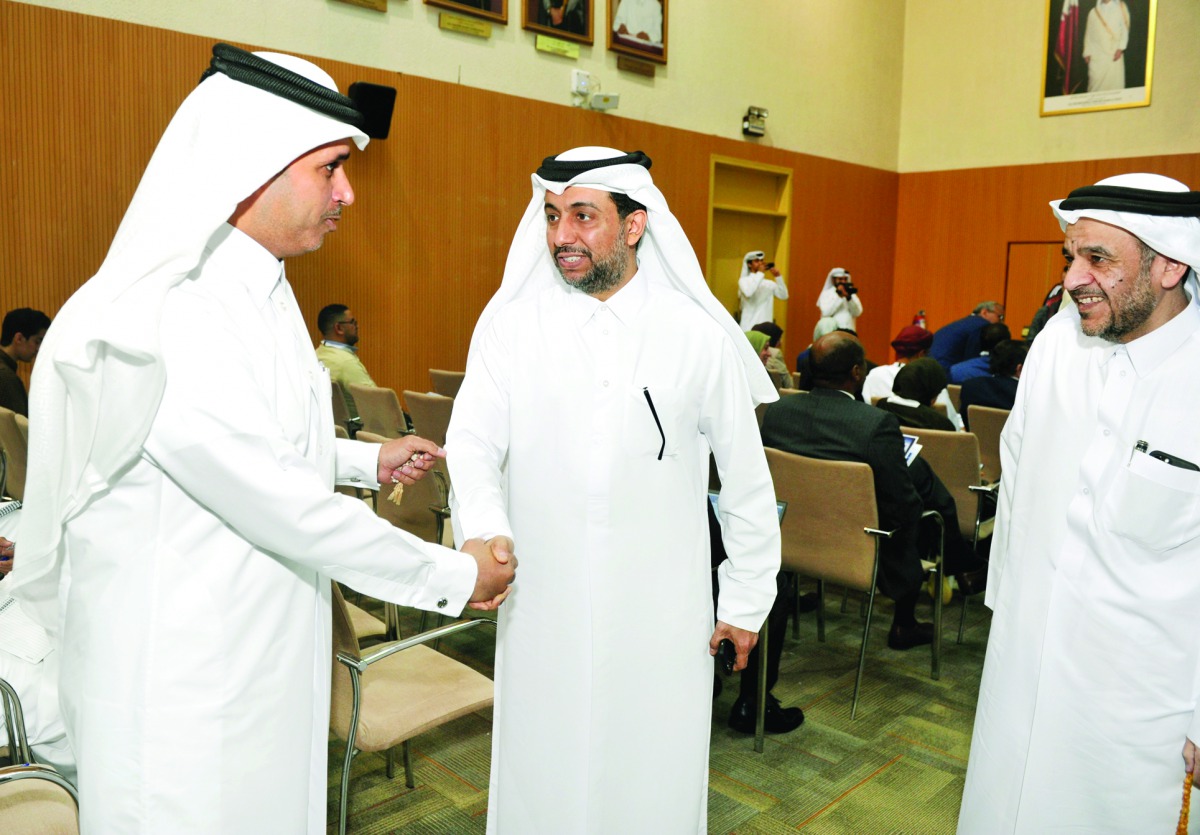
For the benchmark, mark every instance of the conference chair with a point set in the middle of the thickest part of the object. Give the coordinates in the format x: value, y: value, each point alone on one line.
x: 379, y: 410
x: 430, y: 419
x: 832, y: 535
x: 785, y: 391
x: 33, y: 798
x: 781, y: 379
x: 954, y: 456
x: 23, y: 425
x: 987, y: 424
x: 15, y: 444
x: 395, y: 691
x: 446, y: 383
x: 955, y: 392
x: 341, y: 412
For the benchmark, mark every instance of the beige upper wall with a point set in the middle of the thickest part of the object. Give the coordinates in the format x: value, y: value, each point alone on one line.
x: 794, y: 57
x: 972, y: 81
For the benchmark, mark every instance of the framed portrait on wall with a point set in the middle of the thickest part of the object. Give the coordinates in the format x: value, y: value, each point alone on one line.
x: 1099, y: 55
x: 638, y: 28
x: 496, y: 10
x: 570, y: 20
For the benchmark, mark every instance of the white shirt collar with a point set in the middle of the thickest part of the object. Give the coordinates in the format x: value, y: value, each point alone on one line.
x: 256, y: 268
x: 625, y: 304
x: 1148, y: 352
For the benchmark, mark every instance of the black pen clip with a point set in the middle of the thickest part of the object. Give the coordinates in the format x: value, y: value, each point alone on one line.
x: 657, y: 422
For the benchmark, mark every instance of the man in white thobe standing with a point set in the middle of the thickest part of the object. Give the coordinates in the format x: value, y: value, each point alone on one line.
x: 1091, y: 685
x: 600, y: 376
x: 182, y: 460
x: 839, y: 299
x: 1105, y: 40
x: 758, y: 287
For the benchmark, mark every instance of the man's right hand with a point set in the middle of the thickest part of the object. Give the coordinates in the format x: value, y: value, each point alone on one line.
x: 496, y: 565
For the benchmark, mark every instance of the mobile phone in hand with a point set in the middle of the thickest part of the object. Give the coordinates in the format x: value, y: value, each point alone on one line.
x: 726, y: 656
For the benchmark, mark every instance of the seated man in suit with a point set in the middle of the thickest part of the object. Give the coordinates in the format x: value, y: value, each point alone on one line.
x: 1000, y: 389
x: 831, y: 424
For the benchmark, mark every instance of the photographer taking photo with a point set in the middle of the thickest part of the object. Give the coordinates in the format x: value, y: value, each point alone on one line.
x: 758, y: 286
x: 839, y: 299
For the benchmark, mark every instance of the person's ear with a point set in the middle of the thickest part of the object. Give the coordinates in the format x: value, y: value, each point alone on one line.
x: 635, y: 227
x: 1173, y: 273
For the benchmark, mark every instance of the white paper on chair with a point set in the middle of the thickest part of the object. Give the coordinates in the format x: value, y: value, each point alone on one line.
x: 911, y: 448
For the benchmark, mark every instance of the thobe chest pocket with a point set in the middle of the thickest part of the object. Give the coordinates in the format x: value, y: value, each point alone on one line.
x: 653, y: 422
x: 1153, y: 504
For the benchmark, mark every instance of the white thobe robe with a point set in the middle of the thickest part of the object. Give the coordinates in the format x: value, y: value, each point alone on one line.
x: 843, y: 311
x: 1107, y: 32
x: 196, y: 645
x: 640, y: 16
x: 603, y: 675
x: 757, y: 292
x: 1092, y: 676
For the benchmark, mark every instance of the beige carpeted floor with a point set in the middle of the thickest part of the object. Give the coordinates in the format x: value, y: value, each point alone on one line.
x: 897, y: 768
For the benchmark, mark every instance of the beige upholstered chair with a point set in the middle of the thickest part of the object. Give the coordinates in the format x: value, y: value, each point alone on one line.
x: 955, y: 392
x: 831, y: 534
x: 33, y: 798
x: 23, y: 425
x: 781, y: 379
x: 15, y: 444
x: 394, y: 692
x: 785, y: 392
x: 987, y: 424
x: 341, y: 409
x: 446, y: 383
x: 431, y: 418
x: 954, y: 456
x: 379, y: 409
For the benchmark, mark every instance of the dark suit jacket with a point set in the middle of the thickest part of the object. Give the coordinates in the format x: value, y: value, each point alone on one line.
x: 829, y: 425
x: 957, y: 341
x: 997, y: 392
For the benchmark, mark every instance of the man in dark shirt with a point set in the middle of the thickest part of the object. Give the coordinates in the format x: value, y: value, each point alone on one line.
x: 20, y: 338
x: 1000, y: 389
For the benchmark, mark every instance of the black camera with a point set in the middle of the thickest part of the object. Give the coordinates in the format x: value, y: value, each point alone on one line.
x: 770, y: 265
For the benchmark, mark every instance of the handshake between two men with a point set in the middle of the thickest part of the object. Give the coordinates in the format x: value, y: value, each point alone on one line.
x: 407, y: 460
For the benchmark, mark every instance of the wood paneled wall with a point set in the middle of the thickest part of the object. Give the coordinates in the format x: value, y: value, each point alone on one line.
x: 953, y: 228
x: 423, y: 247
x: 84, y: 100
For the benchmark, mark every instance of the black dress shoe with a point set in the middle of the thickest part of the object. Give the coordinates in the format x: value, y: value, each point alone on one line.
x: 777, y: 719
x: 907, y: 637
x: 972, y: 582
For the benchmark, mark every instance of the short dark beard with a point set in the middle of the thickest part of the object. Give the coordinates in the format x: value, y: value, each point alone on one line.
x: 607, y: 269
x: 1137, y: 308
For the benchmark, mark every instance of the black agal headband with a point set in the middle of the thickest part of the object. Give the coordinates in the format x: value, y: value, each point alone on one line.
x: 248, y: 68
x: 560, y: 171
x: 1136, y: 200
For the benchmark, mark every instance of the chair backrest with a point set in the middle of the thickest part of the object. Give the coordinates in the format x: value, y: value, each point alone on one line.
x: 780, y: 378
x: 446, y: 383
x: 954, y: 457
x: 955, y: 392
x: 341, y: 409
x: 430, y: 415
x: 23, y: 425
x: 784, y: 392
x: 987, y: 424
x: 379, y: 409
x: 830, y: 503
x: 16, y: 451
x: 341, y: 703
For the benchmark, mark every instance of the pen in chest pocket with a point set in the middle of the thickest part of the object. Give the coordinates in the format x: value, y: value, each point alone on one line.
x: 657, y: 422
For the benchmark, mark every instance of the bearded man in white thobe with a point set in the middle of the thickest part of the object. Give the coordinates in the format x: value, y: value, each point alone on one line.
x: 1104, y: 43
x: 600, y: 376
x: 758, y: 287
x: 1091, y: 686
x: 839, y: 299
x: 182, y: 460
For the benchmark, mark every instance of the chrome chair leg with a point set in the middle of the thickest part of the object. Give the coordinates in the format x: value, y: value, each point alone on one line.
x: 760, y: 707
x: 962, y: 621
x: 408, y: 769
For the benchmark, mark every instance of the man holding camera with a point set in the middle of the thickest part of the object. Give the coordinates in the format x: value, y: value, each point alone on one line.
x: 758, y: 286
x: 839, y: 299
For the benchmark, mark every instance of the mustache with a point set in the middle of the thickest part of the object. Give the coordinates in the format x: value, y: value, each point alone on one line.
x: 575, y: 250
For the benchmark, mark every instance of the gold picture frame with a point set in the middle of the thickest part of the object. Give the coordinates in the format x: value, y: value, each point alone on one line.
x: 649, y: 18
x: 569, y: 20
x: 1078, y: 74
x: 493, y: 10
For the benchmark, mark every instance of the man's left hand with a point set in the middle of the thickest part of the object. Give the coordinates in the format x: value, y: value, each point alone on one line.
x: 1190, y: 757
x: 405, y: 460
x: 743, y: 642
